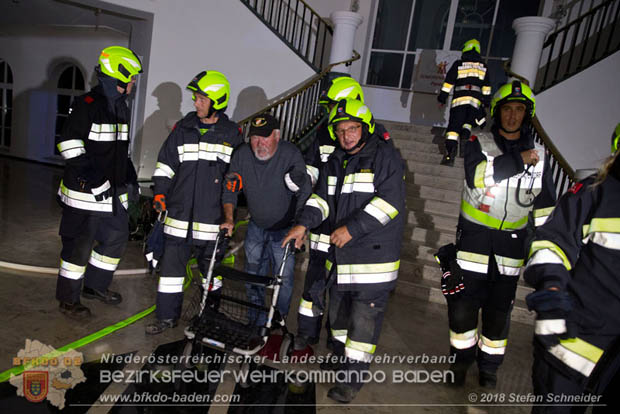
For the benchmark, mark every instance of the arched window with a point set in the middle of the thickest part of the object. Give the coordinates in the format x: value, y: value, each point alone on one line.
x: 6, y: 103
x: 70, y: 84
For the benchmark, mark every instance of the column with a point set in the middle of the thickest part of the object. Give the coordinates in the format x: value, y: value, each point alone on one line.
x: 531, y: 33
x: 345, y: 25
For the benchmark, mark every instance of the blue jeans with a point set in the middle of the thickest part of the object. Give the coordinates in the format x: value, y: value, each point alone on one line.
x: 262, y: 249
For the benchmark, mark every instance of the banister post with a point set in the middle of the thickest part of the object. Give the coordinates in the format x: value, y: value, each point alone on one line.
x: 345, y: 25
x: 531, y: 32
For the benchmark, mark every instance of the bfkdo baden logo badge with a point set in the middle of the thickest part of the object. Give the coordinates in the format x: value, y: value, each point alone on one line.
x: 36, y: 385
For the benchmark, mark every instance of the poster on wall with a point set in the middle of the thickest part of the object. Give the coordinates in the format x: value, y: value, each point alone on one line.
x: 432, y: 68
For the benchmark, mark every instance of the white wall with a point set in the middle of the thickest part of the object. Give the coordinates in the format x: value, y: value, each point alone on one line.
x: 36, y: 67
x: 193, y: 35
x: 581, y: 126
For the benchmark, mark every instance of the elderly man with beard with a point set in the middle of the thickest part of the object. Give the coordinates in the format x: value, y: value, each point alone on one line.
x: 272, y: 175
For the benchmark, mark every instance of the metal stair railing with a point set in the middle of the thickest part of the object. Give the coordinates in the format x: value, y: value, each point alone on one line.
x: 298, y: 25
x: 299, y: 112
x: 581, y: 43
x: 563, y: 174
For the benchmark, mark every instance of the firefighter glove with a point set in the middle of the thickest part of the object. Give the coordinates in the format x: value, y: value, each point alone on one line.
x: 103, y: 192
x: 552, y: 316
x: 294, y: 180
x: 159, y: 203
x: 452, y: 277
x: 233, y: 182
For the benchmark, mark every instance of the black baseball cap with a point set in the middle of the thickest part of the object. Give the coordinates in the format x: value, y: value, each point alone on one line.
x: 263, y: 125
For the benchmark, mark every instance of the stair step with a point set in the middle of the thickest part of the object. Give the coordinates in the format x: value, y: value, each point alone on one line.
x: 431, y: 238
x: 433, y: 206
x: 436, y: 170
x: 448, y: 183
x: 393, y: 126
x: 432, y: 221
x: 428, y: 158
x: 425, y: 290
x: 433, y: 193
x: 407, y: 145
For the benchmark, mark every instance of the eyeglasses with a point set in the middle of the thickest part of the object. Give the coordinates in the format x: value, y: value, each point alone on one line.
x: 349, y: 130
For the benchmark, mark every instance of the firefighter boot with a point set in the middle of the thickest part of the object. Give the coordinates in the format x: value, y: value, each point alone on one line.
x: 450, y: 155
x: 159, y: 326
x: 108, y: 297
x: 74, y: 310
x: 487, y: 379
x: 460, y: 373
x: 343, y: 393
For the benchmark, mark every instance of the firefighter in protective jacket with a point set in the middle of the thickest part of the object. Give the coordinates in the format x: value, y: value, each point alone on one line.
x: 188, y: 186
x: 573, y: 265
x: 94, y: 190
x: 312, y: 304
x: 469, y: 77
x: 361, y: 193
x: 507, y: 182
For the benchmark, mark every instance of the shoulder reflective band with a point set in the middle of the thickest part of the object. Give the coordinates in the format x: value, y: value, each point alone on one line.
x: 541, y: 214
x: 446, y: 87
x: 162, y: 170
x: 381, y: 210
x: 317, y: 202
x: 71, y: 148
x: 604, y: 232
x: 486, y: 90
x: 547, y: 252
x: 490, y: 221
x: 313, y: 172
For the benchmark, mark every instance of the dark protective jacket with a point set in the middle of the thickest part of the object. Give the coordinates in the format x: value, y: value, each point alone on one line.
x: 365, y: 192
x: 469, y: 77
x: 189, y: 173
x: 315, y: 157
x: 578, y: 251
x: 95, y: 145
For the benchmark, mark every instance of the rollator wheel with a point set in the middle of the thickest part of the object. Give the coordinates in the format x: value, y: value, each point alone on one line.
x: 286, y: 347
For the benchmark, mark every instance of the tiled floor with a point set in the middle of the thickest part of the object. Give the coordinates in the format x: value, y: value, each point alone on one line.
x: 29, y: 217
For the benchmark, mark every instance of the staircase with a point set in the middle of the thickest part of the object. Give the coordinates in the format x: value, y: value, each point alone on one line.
x: 433, y: 199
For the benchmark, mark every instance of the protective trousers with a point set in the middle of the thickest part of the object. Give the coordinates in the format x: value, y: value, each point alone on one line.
x: 174, y: 261
x: 79, y: 260
x: 312, y: 304
x: 355, y: 318
x: 491, y: 261
x: 462, y: 119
